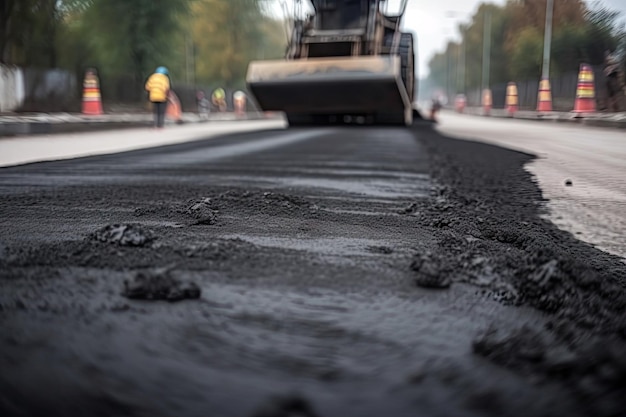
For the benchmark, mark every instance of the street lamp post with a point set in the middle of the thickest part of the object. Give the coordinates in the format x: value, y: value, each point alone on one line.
x: 486, y: 97
x: 547, y: 40
x: 486, y: 49
x: 544, y: 96
x: 448, y: 72
x: 461, y: 52
x: 461, y: 68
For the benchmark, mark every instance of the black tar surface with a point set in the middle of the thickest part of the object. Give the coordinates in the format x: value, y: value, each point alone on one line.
x: 354, y: 272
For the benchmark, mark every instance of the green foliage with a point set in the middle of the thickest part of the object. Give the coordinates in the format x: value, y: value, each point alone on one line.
x: 135, y: 35
x: 228, y: 35
x: 207, y: 41
x: 569, y: 48
x: 527, y: 54
x: 27, y: 32
x: 603, y: 33
x: 579, y: 35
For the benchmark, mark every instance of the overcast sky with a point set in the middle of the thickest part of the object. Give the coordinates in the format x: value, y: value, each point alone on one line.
x: 435, y: 22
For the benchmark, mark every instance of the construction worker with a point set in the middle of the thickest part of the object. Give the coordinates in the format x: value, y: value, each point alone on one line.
x: 435, y: 107
x: 614, y: 81
x: 218, y: 98
x: 203, y: 105
x: 158, y: 86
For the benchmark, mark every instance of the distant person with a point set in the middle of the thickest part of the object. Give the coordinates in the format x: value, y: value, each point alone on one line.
x: 218, y: 98
x: 614, y: 81
x: 158, y: 87
x: 435, y: 108
x: 203, y: 104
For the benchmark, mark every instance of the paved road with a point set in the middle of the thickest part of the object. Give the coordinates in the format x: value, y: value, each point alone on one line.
x: 356, y: 272
x: 594, y: 159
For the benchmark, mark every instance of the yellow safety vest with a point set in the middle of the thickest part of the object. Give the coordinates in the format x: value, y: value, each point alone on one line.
x: 158, y: 85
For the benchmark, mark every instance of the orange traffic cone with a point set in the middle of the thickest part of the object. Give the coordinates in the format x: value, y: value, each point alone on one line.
x: 512, y: 100
x: 487, y: 102
x: 92, y: 102
x: 585, y: 91
x: 239, y: 103
x: 460, y: 102
x: 544, y: 99
x: 173, y: 110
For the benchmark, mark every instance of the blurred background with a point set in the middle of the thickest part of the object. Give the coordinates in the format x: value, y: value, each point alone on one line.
x: 206, y: 44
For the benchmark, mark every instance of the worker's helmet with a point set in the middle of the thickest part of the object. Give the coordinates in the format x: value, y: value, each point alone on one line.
x: 219, y: 94
x: 162, y: 70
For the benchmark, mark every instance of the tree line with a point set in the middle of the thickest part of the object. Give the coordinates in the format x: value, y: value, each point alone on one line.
x: 200, y: 41
x: 580, y: 34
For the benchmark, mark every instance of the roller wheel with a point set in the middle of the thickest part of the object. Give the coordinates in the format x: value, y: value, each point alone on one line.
x: 407, y: 58
x: 406, y: 50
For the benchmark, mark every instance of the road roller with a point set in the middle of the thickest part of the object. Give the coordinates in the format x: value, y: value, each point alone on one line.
x: 347, y: 61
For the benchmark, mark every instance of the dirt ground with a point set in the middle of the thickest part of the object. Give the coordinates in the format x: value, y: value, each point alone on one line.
x: 322, y: 272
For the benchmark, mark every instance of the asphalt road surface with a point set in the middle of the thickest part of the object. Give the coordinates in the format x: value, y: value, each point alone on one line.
x: 328, y: 272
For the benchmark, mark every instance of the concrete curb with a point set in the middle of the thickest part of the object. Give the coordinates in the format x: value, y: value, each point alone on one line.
x: 608, y: 120
x: 54, y: 123
x: 22, y: 149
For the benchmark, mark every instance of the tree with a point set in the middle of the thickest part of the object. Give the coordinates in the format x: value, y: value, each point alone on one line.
x: 135, y: 35
x: 527, y: 54
x: 603, y: 33
x: 579, y: 35
x: 214, y: 39
x: 228, y: 34
x: 27, y: 32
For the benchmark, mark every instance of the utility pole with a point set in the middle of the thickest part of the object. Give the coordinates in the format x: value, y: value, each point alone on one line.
x: 486, y: 49
x: 547, y: 40
x: 461, y: 53
x: 461, y: 68
x: 448, y: 71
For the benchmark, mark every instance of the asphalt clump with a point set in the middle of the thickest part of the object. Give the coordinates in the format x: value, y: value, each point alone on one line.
x: 431, y: 272
x: 203, y: 211
x: 159, y: 284
x: 124, y: 235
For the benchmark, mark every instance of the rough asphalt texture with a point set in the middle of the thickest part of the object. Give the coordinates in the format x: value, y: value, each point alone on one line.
x: 330, y: 272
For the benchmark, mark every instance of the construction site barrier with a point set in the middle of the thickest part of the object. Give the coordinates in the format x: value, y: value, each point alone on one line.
x: 173, y: 110
x: 487, y: 101
x: 544, y: 98
x: 239, y: 102
x: 512, y: 99
x: 585, y: 91
x: 92, y: 101
x: 460, y: 102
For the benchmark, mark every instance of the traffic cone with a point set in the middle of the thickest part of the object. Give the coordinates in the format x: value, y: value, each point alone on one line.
x: 585, y: 91
x: 460, y: 102
x: 512, y: 100
x: 239, y: 102
x: 544, y: 99
x: 487, y: 102
x: 92, y: 102
x: 173, y: 110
